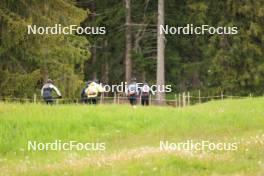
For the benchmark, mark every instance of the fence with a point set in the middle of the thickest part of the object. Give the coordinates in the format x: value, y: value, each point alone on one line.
x: 180, y: 100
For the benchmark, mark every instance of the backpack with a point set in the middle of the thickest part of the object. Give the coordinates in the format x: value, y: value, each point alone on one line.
x: 47, y: 91
x: 145, y: 90
x: 91, y: 90
x: 132, y: 89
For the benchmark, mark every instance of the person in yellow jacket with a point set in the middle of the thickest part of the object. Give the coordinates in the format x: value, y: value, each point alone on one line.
x: 92, y: 92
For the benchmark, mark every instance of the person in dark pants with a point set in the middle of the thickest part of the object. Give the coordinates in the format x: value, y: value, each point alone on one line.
x: 46, y: 92
x: 144, y: 100
x: 145, y: 93
x: 133, y: 100
x: 92, y: 100
x: 84, y: 97
x: 132, y: 92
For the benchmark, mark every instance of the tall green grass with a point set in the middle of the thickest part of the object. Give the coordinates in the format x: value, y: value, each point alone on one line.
x: 124, y: 128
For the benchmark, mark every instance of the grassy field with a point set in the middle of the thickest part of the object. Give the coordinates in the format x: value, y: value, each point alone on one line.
x: 132, y: 137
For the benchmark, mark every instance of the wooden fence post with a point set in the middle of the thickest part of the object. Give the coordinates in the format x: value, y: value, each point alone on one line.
x: 179, y: 99
x: 101, y: 98
x: 222, y: 95
x: 150, y: 99
x: 176, y: 99
x: 183, y: 99
x: 200, y: 97
x: 35, y: 98
x: 114, y: 98
x: 188, y: 99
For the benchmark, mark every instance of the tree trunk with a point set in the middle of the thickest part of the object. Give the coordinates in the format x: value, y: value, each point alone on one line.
x: 45, y: 74
x: 106, y: 73
x: 105, y: 65
x: 128, y: 61
x: 94, y: 50
x: 143, y: 76
x: 160, y: 54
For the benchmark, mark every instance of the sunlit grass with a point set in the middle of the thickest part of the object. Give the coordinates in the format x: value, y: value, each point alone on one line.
x: 130, y: 131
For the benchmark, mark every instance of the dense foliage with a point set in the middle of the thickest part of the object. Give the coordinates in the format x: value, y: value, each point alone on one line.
x: 213, y: 63
x: 28, y: 60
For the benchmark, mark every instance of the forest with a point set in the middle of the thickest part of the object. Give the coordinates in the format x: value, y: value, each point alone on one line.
x: 233, y: 64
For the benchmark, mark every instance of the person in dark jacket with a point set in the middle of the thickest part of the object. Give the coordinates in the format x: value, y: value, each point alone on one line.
x: 46, y: 91
x: 84, y: 97
x: 145, y: 92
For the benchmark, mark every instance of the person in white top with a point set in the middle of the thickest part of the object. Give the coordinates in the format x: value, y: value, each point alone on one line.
x: 46, y: 92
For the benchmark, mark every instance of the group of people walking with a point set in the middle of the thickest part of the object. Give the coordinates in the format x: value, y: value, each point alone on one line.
x: 93, y: 89
x: 135, y: 92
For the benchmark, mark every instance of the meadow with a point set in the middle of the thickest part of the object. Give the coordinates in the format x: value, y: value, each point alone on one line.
x: 132, y: 137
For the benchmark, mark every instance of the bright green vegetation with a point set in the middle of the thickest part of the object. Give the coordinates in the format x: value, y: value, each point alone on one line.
x: 132, y: 138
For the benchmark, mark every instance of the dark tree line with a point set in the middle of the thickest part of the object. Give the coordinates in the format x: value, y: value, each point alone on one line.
x: 213, y: 63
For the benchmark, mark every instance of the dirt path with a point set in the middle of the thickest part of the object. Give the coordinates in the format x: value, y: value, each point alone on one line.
x: 77, y: 163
